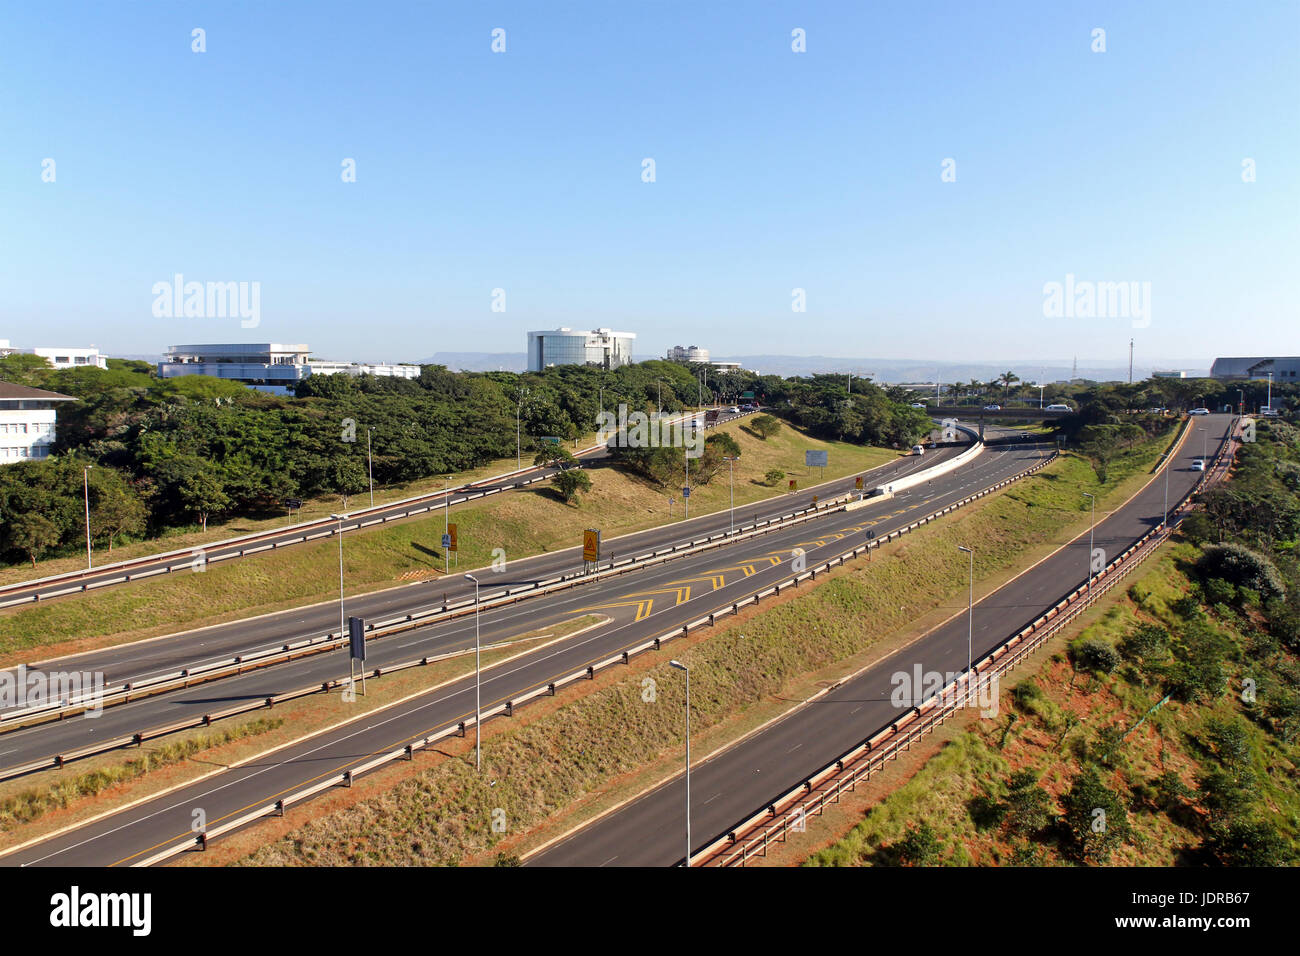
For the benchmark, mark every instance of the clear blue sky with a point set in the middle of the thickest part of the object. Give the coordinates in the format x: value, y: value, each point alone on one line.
x: 775, y: 170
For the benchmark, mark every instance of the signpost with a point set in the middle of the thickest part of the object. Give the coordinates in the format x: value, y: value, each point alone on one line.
x: 794, y: 485
x: 816, y: 459
x: 590, y: 548
x: 453, y: 542
x: 357, y: 650
x: 857, y: 483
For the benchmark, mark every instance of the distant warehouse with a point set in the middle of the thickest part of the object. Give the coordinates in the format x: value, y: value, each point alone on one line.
x: 266, y: 366
x: 1280, y: 369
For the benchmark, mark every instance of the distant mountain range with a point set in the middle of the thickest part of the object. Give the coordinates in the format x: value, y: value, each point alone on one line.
x: 880, y: 370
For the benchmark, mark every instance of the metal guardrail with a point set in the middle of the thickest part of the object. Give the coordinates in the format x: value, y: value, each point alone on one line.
x: 775, y: 821
x: 550, y: 687
x: 184, y: 559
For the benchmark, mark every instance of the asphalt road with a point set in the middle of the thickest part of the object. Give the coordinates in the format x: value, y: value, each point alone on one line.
x: 676, y: 592
x: 735, y: 783
x: 49, y: 589
x: 169, y: 654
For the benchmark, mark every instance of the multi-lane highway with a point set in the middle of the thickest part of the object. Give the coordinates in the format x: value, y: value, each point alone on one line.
x: 141, y: 660
x: 650, y: 602
x: 746, y: 777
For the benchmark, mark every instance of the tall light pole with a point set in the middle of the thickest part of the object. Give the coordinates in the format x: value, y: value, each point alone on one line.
x: 686, y: 491
x: 519, y: 409
x: 478, y: 711
x: 446, y: 523
x: 1270, y: 391
x: 731, y: 465
x: 1091, y: 528
x: 370, y: 466
x: 343, y: 630
x: 85, y: 481
x: 682, y: 667
x: 970, y: 621
x: 1164, y: 521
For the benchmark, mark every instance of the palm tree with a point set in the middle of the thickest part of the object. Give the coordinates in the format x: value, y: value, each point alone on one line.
x: 1007, y: 379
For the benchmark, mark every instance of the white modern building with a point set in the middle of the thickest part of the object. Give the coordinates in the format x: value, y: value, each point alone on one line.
x: 603, y: 347
x: 27, y: 422
x: 1168, y: 373
x: 265, y: 366
x: 689, y: 353
x: 1259, y: 369
x: 60, y: 357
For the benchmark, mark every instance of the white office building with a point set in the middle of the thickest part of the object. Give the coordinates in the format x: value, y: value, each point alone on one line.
x: 27, y: 422
x: 265, y: 366
x: 603, y: 347
x: 689, y: 353
x: 60, y: 357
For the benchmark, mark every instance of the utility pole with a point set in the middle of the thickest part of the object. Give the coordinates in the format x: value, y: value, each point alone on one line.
x: 519, y: 408
x: 1130, y: 361
x: 85, y: 478
x: 370, y: 466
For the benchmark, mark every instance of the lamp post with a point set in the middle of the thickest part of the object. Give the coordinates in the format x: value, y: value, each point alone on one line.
x: 970, y: 620
x: 1091, y: 527
x: 1164, y: 521
x: 85, y: 481
x: 682, y: 667
x: 519, y: 408
x: 342, y: 622
x: 446, y: 523
x: 370, y: 467
x: 478, y: 712
x: 731, y: 466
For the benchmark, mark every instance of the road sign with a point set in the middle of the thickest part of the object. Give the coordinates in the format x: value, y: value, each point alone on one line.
x: 793, y: 484
x: 591, y: 544
x: 857, y: 483
x: 292, y: 503
x: 686, y: 492
x: 746, y: 394
x: 815, y: 459
x: 453, y: 542
x: 446, y: 541
x: 814, y: 501
x: 552, y: 439
x: 357, y: 638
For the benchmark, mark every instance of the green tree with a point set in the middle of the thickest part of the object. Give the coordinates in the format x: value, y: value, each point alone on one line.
x: 202, y: 493
x: 920, y: 847
x: 569, y: 483
x: 1094, y: 817
x: 765, y: 426
x: 33, y: 534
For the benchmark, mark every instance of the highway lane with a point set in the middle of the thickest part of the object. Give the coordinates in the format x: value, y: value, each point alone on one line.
x: 634, y: 596
x: 48, y: 589
x: 130, y: 834
x: 169, y: 654
x: 740, y: 780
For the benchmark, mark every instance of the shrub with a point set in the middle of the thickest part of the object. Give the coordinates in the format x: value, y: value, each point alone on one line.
x: 1094, y: 655
x: 1241, y: 566
x: 774, y: 476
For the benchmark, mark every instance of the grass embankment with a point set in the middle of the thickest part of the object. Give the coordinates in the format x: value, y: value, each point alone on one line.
x: 522, y: 523
x: 1207, y: 779
x: 31, y: 804
x: 219, y: 529
x: 546, y: 773
x: 84, y: 789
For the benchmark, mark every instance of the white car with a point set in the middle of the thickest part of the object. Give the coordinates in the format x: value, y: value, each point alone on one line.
x: 1199, y: 411
x: 1268, y: 411
x: 918, y: 404
x: 1059, y: 408
x: 734, y: 410
x: 992, y: 408
x: 1198, y: 464
x: 918, y: 449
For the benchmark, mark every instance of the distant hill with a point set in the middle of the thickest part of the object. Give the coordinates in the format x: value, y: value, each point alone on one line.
x: 479, y: 361
x: 912, y: 370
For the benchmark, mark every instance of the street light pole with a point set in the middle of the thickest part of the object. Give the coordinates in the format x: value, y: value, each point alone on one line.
x: 519, y: 408
x: 682, y: 667
x: 478, y: 710
x: 970, y: 621
x: 446, y: 523
x: 85, y: 480
x: 731, y: 465
x: 370, y: 466
x: 1164, y: 523
x: 1091, y: 528
x: 343, y: 630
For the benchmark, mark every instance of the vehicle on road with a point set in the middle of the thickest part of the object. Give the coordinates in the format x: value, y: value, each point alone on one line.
x: 733, y: 410
x: 1199, y: 411
x: 1268, y: 410
x: 918, y: 449
x: 1059, y: 408
x: 992, y: 408
x: 1198, y: 464
x: 918, y: 404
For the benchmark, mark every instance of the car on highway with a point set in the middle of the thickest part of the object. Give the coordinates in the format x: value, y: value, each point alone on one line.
x: 918, y: 404
x: 1199, y: 411
x: 733, y: 410
x: 918, y: 449
x: 1268, y: 411
x: 992, y: 408
x: 1059, y: 408
x: 1198, y: 464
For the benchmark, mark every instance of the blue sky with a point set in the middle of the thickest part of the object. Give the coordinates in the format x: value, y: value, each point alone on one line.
x: 775, y: 170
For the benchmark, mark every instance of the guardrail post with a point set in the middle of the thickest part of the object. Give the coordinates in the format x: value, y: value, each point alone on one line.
x: 551, y: 688
x: 202, y: 841
x: 347, y: 778
x: 510, y: 708
x: 461, y: 728
x: 279, y: 808
x: 626, y: 659
x: 410, y: 752
x: 591, y: 672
